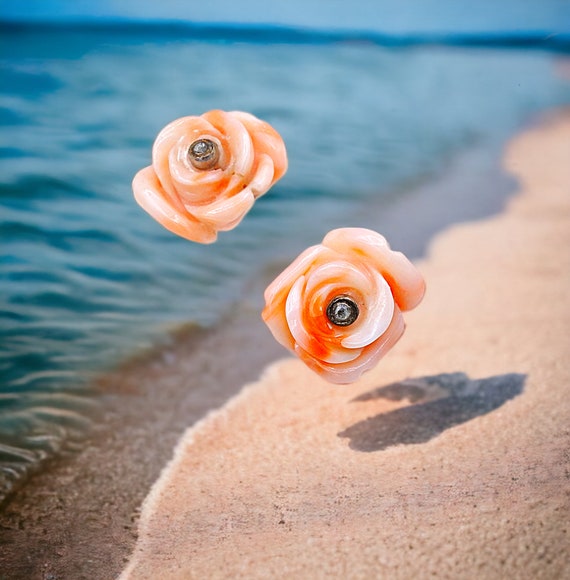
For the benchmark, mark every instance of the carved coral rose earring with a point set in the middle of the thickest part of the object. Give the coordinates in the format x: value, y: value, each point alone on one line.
x: 339, y: 305
x: 207, y: 171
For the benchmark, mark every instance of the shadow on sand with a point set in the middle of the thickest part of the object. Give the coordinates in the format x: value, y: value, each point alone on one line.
x: 437, y: 403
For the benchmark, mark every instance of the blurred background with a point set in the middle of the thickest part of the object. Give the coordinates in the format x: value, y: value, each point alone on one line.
x: 373, y: 99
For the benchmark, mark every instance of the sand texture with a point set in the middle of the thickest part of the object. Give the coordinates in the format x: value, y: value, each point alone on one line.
x: 449, y: 460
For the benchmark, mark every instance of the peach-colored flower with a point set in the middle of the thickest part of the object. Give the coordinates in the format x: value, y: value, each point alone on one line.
x: 207, y: 171
x: 339, y: 305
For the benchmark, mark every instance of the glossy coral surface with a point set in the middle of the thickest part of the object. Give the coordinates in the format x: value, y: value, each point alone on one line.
x: 355, y: 263
x: 196, y: 202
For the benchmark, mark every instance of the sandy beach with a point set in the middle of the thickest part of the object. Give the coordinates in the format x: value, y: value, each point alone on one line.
x: 448, y: 460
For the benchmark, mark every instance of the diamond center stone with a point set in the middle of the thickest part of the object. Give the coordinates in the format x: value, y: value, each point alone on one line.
x: 342, y: 311
x: 203, y: 154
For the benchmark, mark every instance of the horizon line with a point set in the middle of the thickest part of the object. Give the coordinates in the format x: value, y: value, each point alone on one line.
x: 302, y: 34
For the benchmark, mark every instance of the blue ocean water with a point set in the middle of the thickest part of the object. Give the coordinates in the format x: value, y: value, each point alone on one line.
x: 88, y: 278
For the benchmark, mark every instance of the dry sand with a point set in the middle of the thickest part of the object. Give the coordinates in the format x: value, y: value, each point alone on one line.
x: 450, y: 459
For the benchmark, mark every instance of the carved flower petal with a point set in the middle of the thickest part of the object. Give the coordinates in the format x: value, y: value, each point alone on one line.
x: 277, y: 322
x: 376, y: 317
x: 238, y: 138
x: 186, y: 128
x: 153, y: 199
x: 340, y: 272
x: 224, y: 214
x: 266, y: 140
x: 263, y: 177
x: 349, y: 372
x: 407, y: 284
x: 191, y: 184
x: 276, y: 293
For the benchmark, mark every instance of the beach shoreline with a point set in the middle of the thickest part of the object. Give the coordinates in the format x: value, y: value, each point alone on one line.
x: 89, y: 512
x: 449, y: 459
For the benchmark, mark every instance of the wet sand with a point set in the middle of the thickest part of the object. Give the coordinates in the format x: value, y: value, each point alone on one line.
x: 450, y: 459
x: 77, y: 518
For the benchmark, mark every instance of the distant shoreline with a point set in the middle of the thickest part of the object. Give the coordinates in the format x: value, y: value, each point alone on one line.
x: 272, y: 33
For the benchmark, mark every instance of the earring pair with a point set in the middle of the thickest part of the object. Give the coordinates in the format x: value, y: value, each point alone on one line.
x: 339, y: 305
